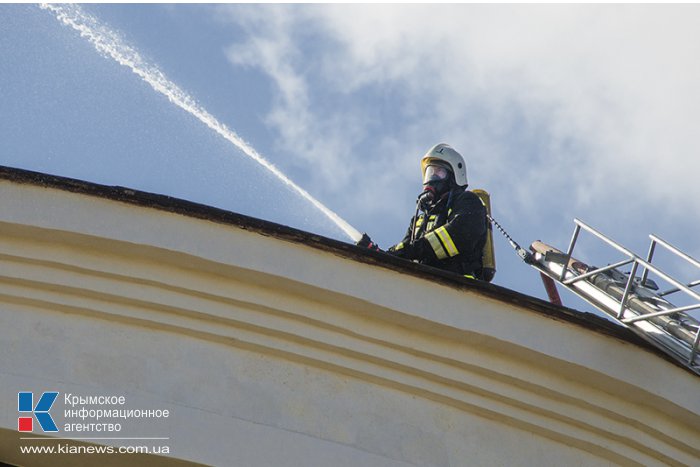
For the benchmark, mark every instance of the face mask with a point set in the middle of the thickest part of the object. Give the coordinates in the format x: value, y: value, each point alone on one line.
x: 437, y: 179
x: 436, y: 182
x: 435, y: 173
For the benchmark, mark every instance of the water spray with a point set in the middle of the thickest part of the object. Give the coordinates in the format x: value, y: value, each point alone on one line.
x: 109, y: 44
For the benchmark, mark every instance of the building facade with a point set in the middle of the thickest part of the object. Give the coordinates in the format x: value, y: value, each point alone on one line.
x: 268, y: 346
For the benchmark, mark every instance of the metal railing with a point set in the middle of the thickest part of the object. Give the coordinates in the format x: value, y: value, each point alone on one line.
x: 647, y: 267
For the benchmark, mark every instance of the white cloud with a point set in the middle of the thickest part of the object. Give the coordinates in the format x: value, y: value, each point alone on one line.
x: 307, y: 130
x: 575, y: 107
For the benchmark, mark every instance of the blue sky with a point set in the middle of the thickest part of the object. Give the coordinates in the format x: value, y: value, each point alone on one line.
x: 561, y: 111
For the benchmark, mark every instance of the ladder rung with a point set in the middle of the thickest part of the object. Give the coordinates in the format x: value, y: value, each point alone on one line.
x: 596, y: 271
x: 681, y: 309
x: 676, y: 289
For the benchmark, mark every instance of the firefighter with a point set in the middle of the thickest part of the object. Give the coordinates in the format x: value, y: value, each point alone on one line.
x: 449, y: 229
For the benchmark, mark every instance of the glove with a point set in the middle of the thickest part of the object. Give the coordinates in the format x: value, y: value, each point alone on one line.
x: 425, y: 199
x: 417, y: 250
x: 402, y: 250
x: 366, y: 242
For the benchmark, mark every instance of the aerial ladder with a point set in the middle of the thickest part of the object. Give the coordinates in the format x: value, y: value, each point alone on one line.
x: 631, y: 298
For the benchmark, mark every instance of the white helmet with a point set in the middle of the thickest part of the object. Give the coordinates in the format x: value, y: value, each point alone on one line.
x: 446, y: 154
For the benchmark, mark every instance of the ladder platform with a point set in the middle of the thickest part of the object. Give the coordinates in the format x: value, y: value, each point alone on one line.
x: 633, y: 301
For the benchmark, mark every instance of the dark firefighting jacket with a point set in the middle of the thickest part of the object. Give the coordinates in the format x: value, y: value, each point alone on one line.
x: 450, y: 236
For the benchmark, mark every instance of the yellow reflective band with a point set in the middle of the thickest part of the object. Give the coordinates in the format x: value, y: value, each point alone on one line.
x: 470, y: 276
x: 436, y: 245
x: 432, y: 218
x: 419, y: 222
x: 399, y: 246
x: 447, y: 241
